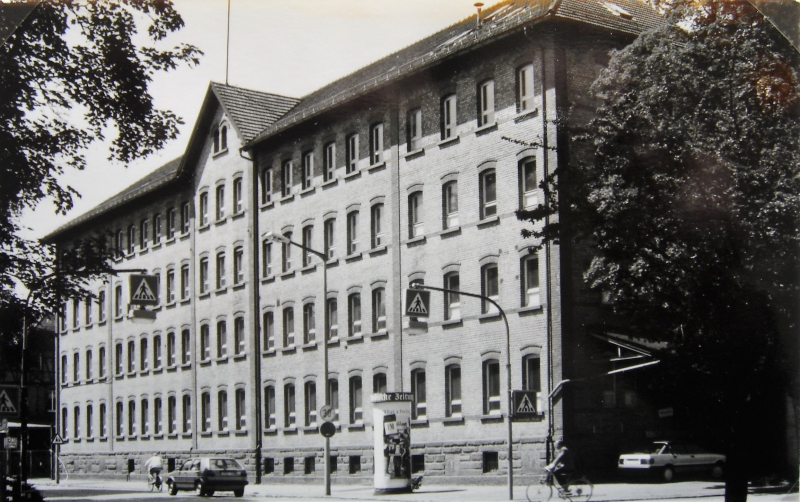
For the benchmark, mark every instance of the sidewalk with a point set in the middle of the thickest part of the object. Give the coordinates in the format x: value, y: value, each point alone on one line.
x: 628, y: 492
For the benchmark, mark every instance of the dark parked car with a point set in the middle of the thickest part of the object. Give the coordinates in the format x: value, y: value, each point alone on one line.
x: 207, y: 475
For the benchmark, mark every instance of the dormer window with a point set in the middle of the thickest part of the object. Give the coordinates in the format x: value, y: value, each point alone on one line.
x: 221, y: 138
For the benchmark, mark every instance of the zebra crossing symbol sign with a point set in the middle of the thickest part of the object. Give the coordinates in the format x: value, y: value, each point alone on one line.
x: 9, y: 401
x: 418, y: 303
x: 524, y: 403
x: 144, y: 290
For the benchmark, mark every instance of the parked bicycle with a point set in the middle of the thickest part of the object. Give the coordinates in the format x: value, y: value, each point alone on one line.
x: 154, y: 482
x: 577, y: 490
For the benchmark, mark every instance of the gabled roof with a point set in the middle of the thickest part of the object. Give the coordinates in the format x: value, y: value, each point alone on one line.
x: 249, y: 111
x: 626, y: 16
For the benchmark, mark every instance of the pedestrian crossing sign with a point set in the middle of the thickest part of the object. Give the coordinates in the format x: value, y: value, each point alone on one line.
x: 9, y: 401
x: 144, y: 290
x: 524, y: 403
x: 418, y: 303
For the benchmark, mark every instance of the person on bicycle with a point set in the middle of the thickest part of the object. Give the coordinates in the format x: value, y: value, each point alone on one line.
x: 562, y: 465
x: 154, y: 466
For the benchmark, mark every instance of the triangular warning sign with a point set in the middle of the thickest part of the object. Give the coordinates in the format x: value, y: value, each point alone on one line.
x: 57, y: 439
x: 526, y: 406
x: 143, y: 293
x: 417, y: 306
x: 6, y: 405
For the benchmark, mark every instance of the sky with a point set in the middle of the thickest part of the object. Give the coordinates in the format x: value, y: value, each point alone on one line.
x: 288, y: 47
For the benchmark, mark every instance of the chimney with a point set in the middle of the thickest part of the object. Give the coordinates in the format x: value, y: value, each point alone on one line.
x: 479, y: 5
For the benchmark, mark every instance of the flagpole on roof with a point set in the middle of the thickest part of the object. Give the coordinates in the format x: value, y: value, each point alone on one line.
x: 228, y: 42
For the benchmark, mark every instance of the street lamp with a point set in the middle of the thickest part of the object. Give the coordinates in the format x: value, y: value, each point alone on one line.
x: 286, y: 241
x: 508, y: 374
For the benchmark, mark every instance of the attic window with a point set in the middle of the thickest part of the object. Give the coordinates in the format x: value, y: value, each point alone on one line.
x: 221, y: 138
x: 617, y: 10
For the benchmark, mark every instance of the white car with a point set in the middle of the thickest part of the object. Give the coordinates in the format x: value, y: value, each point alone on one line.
x: 667, y: 458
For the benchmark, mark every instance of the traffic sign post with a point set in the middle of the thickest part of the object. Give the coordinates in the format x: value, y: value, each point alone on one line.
x: 10, y: 400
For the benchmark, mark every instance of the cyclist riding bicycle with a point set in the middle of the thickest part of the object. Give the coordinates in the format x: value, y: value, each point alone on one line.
x: 154, y: 466
x: 562, y: 465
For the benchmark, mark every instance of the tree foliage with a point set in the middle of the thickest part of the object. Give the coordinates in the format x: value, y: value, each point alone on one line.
x: 690, y: 204
x: 73, y: 73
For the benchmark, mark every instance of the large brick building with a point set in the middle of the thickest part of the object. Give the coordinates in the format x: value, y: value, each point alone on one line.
x: 408, y: 170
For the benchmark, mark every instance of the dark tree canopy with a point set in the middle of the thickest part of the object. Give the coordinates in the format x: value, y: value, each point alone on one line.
x: 690, y: 206
x: 71, y: 73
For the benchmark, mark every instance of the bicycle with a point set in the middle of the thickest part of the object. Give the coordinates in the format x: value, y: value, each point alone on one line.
x: 578, y: 489
x: 155, y: 483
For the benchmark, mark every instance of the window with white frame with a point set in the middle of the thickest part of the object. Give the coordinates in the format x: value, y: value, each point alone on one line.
x: 221, y: 139
x: 101, y: 356
x: 414, y: 129
x: 376, y: 144
x: 419, y: 406
x: 220, y: 270
x: 89, y: 419
x: 144, y: 234
x: 288, y: 327
x: 186, y: 346
x: 238, y: 265
x: 185, y: 219
x: 490, y: 287
x: 379, y: 383
x: 131, y: 239
x: 220, y: 198
x: 120, y: 364
x: 131, y: 418
x: 172, y: 222
x: 76, y: 367
x: 289, y: 416
x: 157, y: 230
x: 239, y: 335
x: 309, y: 330
x: 311, y: 404
x: 172, y: 349
x: 222, y: 338
x: 170, y: 286
x: 452, y: 301
x: 491, y: 387
x: 530, y: 281
x: 205, y: 412
x: 222, y: 411
x: 266, y: 258
x: 270, y: 408
x: 286, y: 178
x: 102, y: 420
x: 268, y: 326
x: 287, y: 252
x: 238, y: 196
x: 449, y: 118
x: 531, y: 378
x: 185, y: 282
x: 453, y: 390
x: 378, y: 310
x: 64, y: 369
x: 415, y: 224
x: 101, y: 306
x: 527, y: 183
x: 119, y: 249
x: 525, y: 88
x: 356, y: 401
x: 87, y: 311
x: 203, y: 275
x: 158, y: 426
x: 204, y: 209
x: 172, y: 414
x: 330, y: 238
x: 157, y: 361
x: 187, y: 414
x: 120, y: 412
x: 131, y: 356
x: 329, y: 161
x: 333, y: 398
x: 76, y: 422
x: 378, y: 235
x: 145, y: 416
x: 352, y: 232
x: 241, y: 410
x: 354, y: 314
x: 205, y: 342
x: 143, y: 355
x: 308, y: 170
x: 307, y: 241
x: 352, y: 153
x: 266, y: 185
x: 332, y: 316
x: 486, y: 103
x: 76, y: 313
x: 450, y: 204
x: 488, y: 193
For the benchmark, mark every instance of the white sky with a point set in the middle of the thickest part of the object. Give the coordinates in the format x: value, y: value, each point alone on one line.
x: 289, y: 47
